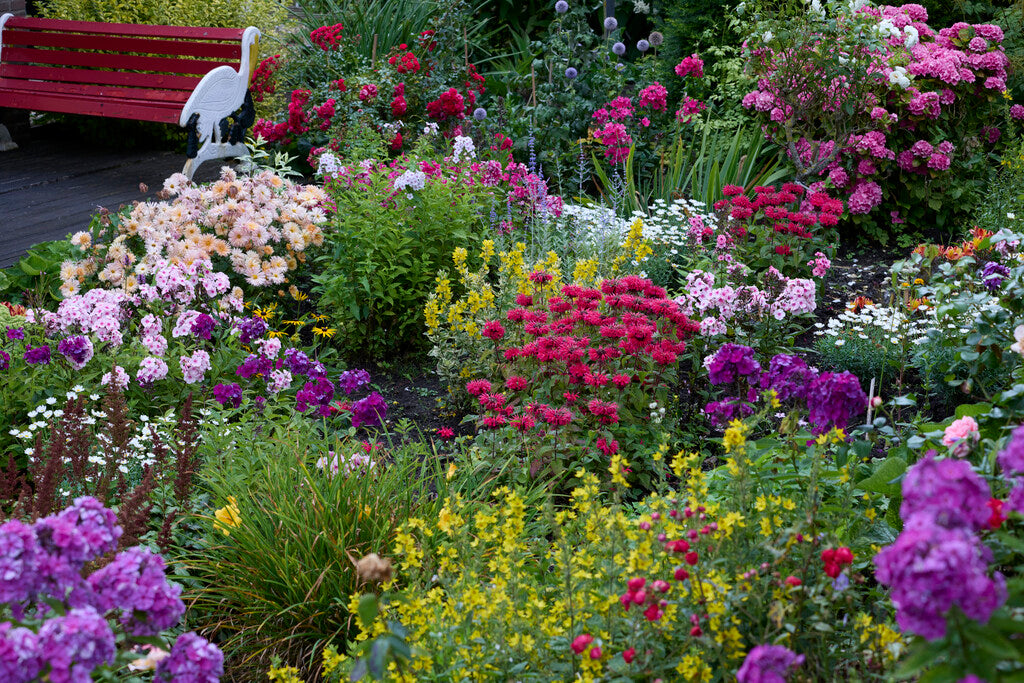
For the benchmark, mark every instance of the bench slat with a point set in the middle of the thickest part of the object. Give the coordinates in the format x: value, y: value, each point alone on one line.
x: 58, y: 74
x: 109, y: 61
x: 112, y: 92
x: 75, y: 41
x: 102, y: 28
x: 139, y: 110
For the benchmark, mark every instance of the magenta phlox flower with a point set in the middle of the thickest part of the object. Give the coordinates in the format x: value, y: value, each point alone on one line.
x: 931, y: 569
x: 768, y: 664
x: 833, y: 400
x: 193, y: 659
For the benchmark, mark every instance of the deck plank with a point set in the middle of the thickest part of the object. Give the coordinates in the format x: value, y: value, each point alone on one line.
x: 50, y: 187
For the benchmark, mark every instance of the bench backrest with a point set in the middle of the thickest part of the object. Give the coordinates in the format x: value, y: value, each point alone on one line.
x: 73, y: 56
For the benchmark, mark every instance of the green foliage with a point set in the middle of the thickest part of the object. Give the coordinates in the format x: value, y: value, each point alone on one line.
x: 382, y: 254
x: 270, y: 16
x: 723, y: 157
x: 1003, y: 205
x: 37, y: 274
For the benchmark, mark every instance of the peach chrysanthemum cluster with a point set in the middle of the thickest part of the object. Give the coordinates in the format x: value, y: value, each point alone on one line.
x: 259, y: 225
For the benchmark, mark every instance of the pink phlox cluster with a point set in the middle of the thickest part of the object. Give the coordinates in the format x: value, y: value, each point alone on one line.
x: 194, y: 367
x: 615, y: 140
x: 99, y: 312
x: 921, y: 72
x: 718, y: 306
x: 654, y: 96
x: 820, y: 264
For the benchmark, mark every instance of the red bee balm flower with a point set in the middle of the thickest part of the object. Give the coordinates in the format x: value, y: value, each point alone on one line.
x: 493, y: 330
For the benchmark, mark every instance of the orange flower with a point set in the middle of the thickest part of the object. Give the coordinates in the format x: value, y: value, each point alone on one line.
x: 859, y: 304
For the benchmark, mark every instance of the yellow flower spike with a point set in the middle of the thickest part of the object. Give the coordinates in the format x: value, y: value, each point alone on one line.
x: 227, y: 516
x: 616, y: 468
x: 284, y: 674
x: 734, y: 437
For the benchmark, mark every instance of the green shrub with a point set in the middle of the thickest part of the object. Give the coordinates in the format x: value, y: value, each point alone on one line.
x: 383, y: 253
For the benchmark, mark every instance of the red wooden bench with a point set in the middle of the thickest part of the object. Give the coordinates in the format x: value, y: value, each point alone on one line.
x: 195, y: 77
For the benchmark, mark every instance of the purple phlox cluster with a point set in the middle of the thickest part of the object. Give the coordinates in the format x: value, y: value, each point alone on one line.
x: 930, y: 569
x: 39, y: 355
x: 75, y: 644
x: 251, y: 329
x: 788, y: 376
x: 46, y: 559
x: 77, y: 349
x: 228, y: 394
x: 19, y: 561
x: 80, y: 533
x: 369, y: 411
x: 948, y: 492
x: 352, y: 380
x: 730, y: 408
x: 135, y: 583
x: 1011, y: 460
x: 203, y: 326
x: 254, y: 365
x: 834, y: 398
x: 15, y: 333
x: 992, y: 275
x: 315, y: 394
x: 768, y: 664
x: 5, y: 360
x: 731, y: 363
x: 297, y: 362
x: 19, y: 654
x: 193, y: 659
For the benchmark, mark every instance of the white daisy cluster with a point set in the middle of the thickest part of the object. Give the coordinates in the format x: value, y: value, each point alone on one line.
x: 879, y: 323
x: 667, y: 224
x: 672, y: 225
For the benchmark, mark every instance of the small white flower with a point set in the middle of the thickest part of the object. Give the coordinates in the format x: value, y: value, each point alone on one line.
x: 50, y: 401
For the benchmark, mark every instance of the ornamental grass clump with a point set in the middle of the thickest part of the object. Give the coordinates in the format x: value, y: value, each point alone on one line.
x: 582, y: 370
x: 290, y: 515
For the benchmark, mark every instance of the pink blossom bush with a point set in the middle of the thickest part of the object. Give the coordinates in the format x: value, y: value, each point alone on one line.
x: 869, y: 118
x: 256, y: 228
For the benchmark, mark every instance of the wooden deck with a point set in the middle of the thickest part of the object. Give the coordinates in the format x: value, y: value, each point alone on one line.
x: 51, y: 185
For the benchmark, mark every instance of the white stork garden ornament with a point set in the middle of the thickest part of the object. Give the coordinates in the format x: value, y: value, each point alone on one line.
x: 220, y: 93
